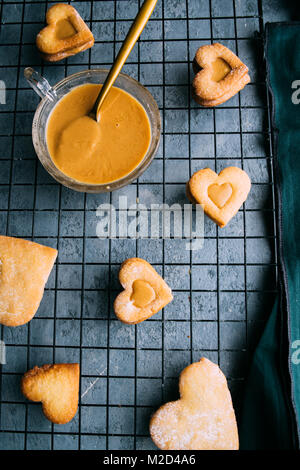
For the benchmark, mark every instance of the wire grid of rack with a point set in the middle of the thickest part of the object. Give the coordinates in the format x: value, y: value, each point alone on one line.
x: 222, y: 293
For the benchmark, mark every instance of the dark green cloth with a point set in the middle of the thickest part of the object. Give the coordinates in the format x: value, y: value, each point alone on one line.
x: 271, y: 409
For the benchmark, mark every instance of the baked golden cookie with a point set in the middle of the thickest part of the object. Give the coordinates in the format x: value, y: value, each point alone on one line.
x: 57, y: 387
x: 62, y: 55
x: 145, y: 292
x: 24, y: 269
x: 66, y: 33
x: 203, y: 418
x: 221, y: 195
x: 220, y: 74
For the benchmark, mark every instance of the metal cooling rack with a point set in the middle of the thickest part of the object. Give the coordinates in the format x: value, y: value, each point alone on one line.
x: 222, y: 294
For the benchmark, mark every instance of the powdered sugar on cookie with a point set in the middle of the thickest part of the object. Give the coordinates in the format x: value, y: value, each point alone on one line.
x: 203, y: 418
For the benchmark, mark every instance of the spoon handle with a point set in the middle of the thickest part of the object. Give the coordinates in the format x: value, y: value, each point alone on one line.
x: 131, y: 38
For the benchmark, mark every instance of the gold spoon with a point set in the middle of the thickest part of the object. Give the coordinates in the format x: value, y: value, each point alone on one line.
x: 130, y: 40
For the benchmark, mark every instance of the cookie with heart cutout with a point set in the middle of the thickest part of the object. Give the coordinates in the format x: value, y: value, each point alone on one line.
x: 66, y: 33
x: 203, y: 418
x: 24, y: 270
x: 145, y: 292
x: 57, y: 387
x: 221, y: 196
x: 220, y: 74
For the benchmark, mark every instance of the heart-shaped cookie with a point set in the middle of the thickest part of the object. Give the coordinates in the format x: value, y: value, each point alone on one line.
x: 57, y: 387
x: 65, y: 35
x: 221, y: 195
x: 145, y: 292
x: 220, y: 74
x: 24, y: 269
x: 203, y: 418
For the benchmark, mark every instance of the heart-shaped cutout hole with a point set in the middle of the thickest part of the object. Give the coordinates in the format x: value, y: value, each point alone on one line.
x: 220, y: 69
x: 142, y: 293
x: 64, y: 29
x: 220, y: 194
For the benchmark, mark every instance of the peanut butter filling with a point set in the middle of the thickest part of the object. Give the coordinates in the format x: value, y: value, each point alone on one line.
x: 220, y: 69
x: 64, y: 29
x: 142, y: 293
